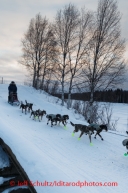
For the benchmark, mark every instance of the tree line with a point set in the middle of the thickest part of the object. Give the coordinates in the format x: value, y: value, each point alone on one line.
x: 114, y: 96
x: 79, y: 50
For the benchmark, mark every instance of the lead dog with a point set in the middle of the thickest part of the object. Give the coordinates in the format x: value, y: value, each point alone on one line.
x: 83, y: 129
x: 97, y: 128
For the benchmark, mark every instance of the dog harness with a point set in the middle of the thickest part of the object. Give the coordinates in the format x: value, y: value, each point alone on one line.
x: 94, y: 125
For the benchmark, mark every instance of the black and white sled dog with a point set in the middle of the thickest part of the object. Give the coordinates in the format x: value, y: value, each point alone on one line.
x: 62, y: 118
x: 102, y: 127
x: 97, y: 128
x: 84, y: 130
x: 57, y: 118
x: 29, y: 105
x: 23, y: 107
x: 34, y: 114
x: 52, y: 118
x: 41, y: 114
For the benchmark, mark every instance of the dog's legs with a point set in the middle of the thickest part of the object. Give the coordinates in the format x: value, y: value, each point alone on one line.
x: 55, y: 122
x: 95, y: 135
x: 30, y: 115
x: 40, y: 118
x: 37, y: 117
x: 81, y: 134
x: 92, y: 132
x: 33, y: 116
x: 100, y: 136
x: 89, y: 137
x: 51, y: 123
x: 63, y: 122
x: 48, y: 121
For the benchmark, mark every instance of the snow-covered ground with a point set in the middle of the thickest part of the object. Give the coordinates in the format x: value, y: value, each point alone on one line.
x: 52, y: 154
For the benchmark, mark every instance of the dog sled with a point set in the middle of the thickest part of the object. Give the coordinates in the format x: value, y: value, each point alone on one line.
x: 13, y: 99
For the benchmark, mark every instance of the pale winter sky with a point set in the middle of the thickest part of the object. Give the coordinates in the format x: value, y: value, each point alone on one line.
x: 15, y: 16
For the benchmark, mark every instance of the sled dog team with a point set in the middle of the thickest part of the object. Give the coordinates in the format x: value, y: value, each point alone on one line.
x: 54, y: 118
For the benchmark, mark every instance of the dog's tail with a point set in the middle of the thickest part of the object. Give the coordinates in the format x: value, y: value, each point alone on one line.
x: 72, y: 124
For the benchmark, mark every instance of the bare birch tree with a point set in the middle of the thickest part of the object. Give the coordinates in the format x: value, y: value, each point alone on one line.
x: 104, y: 63
x: 65, y: 28
x: 50, y: 58
x: 36, y: 47
x: 79, y: 51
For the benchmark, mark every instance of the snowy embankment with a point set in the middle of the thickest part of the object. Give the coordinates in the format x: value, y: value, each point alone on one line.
x: 52, y: 154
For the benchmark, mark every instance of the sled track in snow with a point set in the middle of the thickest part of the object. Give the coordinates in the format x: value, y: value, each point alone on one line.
x: 17, y: 173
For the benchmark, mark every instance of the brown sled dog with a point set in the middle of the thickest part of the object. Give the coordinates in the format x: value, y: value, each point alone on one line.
x: 83, y: 129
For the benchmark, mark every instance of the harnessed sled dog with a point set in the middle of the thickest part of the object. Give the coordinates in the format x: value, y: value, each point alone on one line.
x: 52, y: 118
x: 41, y: 114
x: 29, y: 105
x: 97, y: 128
x: 57, y: 118
x: 62, y: 118
x: 23, y: 107
x: 83, y: 129
x: 34, y: 114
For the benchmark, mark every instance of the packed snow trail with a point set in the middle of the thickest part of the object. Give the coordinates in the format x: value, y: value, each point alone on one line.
x: 52, y: 154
